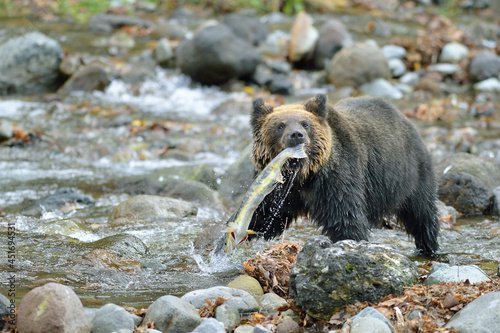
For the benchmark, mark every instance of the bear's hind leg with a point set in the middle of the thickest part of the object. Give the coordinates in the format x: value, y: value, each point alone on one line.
x: 419, y: 216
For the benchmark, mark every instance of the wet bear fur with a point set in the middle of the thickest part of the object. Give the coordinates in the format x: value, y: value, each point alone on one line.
x: 365, y: 161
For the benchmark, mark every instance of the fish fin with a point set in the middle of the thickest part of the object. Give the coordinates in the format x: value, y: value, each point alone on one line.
x: 280, y: 179
x: 251, y: 232
x: 230, y: 227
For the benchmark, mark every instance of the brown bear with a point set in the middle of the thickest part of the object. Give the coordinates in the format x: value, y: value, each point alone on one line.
x: 365, y: 161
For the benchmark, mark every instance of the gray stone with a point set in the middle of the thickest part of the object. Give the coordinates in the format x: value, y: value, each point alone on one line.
x: 110, y: 22
x: 93, y: 76
x: 163, y: 52
x: 453, y: 52
x: 368, y: 324
x: 260, y: 329
x: 244, y: 329
x: 173, y: 315
x: 210, y: 325
x: 357, y: 64
x: 91, y: 312
x: 489, y: 85
x: 281, y: 84
x: 480, y: 316
x: 444, y: 273
x: 228, y: 315
x: 52, y: 308
x: 381, y: 88
x: 288, y: 326
x: 372, y: 313
x: 247, y: 27
x: 5, y: 307
x: 123, y: 245
x: 59, y: 200
x: 150, y: 208
x: 410, y: 79
x: 269, y: 303
x: 329, y: 275
x: 112, y: 318
x: 242, y: 300
x: 29, y: 64
x: 6, y: 130
x: 397, y: 67
x: 333, y: 36
x: 446, y: 69
x: 393, y: 51
x: 495, y: 207
x: 215, y: 55
x: 483, y: 66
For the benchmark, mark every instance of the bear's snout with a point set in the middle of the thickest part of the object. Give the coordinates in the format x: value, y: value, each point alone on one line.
x: 295, y: 137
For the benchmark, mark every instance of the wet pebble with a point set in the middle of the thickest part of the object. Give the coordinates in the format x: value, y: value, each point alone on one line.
x: 453, y: 52
x: 210, y: 325
x: 443, y: 273
x: 247, y: 283
x: 270, y: 302
x: 6, y: 130
x: 393, y: 51
x: 163, y: 52
x: 172, y: 314
x: 381, y: 88
x: 112, y: 318
x: 370, y: 317
x: 228, y: 315
x: 483, y: 66
x: 488, y: 85
x: 240, y: 299
x: 397, y: 67
x: 41, y: 311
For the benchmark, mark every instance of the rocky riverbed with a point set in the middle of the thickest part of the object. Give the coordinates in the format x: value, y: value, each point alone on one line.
x: 125, y: 139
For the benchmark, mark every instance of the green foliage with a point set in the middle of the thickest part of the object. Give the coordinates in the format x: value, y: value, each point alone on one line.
x: 293, y: 6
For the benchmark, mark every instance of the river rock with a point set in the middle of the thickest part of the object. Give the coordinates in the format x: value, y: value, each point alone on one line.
x: 71, y: 63
x: 5, y: 307
x: 66, y: 227
x: 288, y: 326
x: 495, y: 205
x: 397, y: 67
x: 228, y: 315
x: 483, y: 66
x: 333, y: 35
x: 52, y: 308
x: 281, y: 84
x: 392, y: 51
x: 112, y: 318
x: 244, y: 329
x: 163, y: 52
x: 381, y: 88
x: 210, y: 325
x: 6, y: 130
x: 303, y: 37
x: 247, y: 27
x: 29, y: 64
x: 93, y: 76
x: 124, y: 245
x: 489, y: 85
x: 453, y: 52
x: 247, y: 283
x: 327, y: 276
x: 442, y: 68
x: 110, y: 22
x: 410, y: 79
x: 215, y: 55
x: 361, y: 324
x: 358, y: 64
x: 173, y: 315
x: 276, y: 44
x: 479, y: 316
x: 64, y: 199
x: 444, y: 273
x: 240, y: 299
x: 270, y: 302
x: 151, y: 208
x: 466, y: 182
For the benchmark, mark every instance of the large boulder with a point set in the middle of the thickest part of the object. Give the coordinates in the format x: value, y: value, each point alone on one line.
x: 29, y: 64
x: 53, y: 308
x: 333, y: 35
x: 247, y: 27
x: 327, y: 275
x: 480, y: 316
x: 303, y: 37
x: 215, y: 55
x: 468, y: 182
x: 357, y: 64
x: 483, y: 66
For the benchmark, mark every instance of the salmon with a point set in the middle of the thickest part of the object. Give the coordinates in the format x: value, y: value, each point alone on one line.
x: 266, y: 181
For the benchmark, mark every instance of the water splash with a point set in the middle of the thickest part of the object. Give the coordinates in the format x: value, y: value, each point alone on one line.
x: 216, y: 262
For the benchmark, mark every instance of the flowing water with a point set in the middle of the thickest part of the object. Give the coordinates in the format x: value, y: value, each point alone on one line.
x: 89, y: 142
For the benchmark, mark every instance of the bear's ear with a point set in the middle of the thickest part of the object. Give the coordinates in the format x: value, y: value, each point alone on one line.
x: 260, y: 110
x: 317, y: 105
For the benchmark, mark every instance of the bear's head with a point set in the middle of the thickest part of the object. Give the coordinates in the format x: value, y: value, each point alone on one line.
x: 275, y: 129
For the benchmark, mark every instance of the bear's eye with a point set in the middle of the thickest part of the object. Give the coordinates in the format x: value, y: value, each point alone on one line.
x: 305, y: 124
x: 280, y: 126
